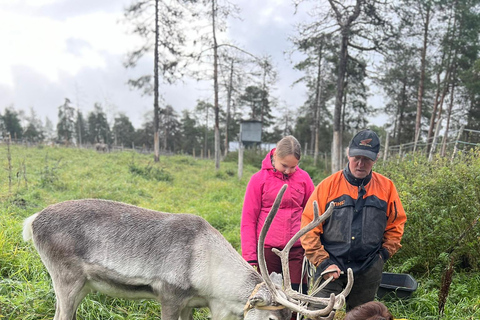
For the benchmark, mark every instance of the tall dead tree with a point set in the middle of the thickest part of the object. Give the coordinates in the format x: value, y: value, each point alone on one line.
x: 160, y: 25
x: 345, y: 20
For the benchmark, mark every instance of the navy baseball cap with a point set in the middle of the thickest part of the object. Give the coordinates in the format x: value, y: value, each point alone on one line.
x: 365, y: 143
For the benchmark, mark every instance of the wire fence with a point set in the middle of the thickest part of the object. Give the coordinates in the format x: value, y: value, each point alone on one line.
x: 463, y: 140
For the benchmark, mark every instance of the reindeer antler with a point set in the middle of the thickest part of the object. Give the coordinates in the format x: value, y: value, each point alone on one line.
x: 292, y: 301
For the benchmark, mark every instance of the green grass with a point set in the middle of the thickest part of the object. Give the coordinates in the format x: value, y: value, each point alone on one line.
x: 42, y: 176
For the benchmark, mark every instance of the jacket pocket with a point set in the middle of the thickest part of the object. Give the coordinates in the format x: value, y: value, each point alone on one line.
x: 374, y: 224
x: 338, y: 228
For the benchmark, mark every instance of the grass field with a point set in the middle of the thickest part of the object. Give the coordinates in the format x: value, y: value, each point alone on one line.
x: 37, y: 177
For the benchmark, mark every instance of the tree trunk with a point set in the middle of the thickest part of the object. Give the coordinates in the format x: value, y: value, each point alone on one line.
x: 205, y: 143
x: 438, y: 105
x: 449, y: 114
x: 215, y: 87
x: 337, y: 137
x: 342, y: 68
x: 447, y: 127
x: 229, y: 102
x: 318, y: 97
x: 422, y: 80
x: 156, y: 111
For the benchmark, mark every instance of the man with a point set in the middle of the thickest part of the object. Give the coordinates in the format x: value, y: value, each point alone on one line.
x: 365, y: 228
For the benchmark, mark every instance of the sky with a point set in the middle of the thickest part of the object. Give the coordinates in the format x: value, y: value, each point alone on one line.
x: 57, y: 49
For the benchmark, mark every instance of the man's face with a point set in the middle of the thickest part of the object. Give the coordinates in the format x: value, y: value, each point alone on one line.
x: 360, y: 166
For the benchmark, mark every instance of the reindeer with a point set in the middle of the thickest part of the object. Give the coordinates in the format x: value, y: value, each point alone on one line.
x: 180, y: 260
x: 101, y: 147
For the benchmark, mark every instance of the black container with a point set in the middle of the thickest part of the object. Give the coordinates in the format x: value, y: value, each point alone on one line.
x: 396, y: 285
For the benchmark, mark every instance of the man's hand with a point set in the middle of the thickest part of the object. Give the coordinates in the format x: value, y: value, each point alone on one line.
x: 332, y: 271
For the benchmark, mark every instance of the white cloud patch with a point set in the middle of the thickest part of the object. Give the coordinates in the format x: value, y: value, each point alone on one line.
x: 51, y: 46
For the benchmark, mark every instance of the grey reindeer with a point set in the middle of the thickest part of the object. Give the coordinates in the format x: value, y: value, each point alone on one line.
x: 180, y: 260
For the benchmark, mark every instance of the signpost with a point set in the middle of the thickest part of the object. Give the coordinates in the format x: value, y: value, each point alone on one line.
x: 250, y: 134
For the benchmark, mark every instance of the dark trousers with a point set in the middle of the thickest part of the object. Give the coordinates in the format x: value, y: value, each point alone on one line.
x: 295, y: 261
x: 364, y: 288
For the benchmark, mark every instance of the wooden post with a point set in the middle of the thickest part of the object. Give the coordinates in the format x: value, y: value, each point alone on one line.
x: 434, y: 141
x: 385, y: 152
x: 456, y: 142
x: 240, y: 160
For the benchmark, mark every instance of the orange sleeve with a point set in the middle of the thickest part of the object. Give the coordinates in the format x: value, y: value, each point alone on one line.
x: 314, y: 250
x: 396, y: 219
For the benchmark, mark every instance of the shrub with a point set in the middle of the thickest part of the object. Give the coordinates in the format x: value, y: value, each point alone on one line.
x: 150, y: 172
x: 442, y: 202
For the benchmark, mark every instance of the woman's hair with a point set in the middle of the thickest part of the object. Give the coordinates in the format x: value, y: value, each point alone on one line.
x: 372, y: 310
x: 289, y: 145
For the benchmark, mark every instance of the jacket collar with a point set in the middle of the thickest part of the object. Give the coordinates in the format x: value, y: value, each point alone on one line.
x: 355, y: 181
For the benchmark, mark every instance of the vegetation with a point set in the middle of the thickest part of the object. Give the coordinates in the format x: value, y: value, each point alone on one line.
x: 441, y: 200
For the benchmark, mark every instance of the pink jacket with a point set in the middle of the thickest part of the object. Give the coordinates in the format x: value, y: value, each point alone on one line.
x: 259, y: 197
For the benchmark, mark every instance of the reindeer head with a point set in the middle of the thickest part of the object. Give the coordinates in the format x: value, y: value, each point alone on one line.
x: 271, y: 295
x: 260, y: 304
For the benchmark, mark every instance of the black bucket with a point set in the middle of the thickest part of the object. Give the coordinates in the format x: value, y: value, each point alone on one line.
x: 396, y: 285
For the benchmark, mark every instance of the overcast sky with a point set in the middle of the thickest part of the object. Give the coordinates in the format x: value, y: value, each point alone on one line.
x: 57, y: 49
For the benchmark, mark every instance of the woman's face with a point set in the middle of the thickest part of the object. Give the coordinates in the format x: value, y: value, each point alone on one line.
x: 286, y: 165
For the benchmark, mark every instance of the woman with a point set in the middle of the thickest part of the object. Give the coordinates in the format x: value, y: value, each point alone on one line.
x: 279, y: 167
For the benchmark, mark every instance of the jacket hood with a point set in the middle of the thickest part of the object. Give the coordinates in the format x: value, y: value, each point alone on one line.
x: 267, y: 161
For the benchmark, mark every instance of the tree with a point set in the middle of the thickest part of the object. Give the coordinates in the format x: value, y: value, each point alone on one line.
x: 355, y: 109
x: 144, y: 136
x: 98, y: 128
x: 49, y: 130
x: 202, y: 111
x: 34, y: 127
x: 80, y: 128
x: 170, y: 128
x: 360, y: 25
x: 233, y: 74
x: 213, y: 15
x: 461, y: 49
x: 416, y: 18
x: 256, y: 100
x: 190, y: 133
x: 11, y: 123
x: 66, y: 122
x: 123, y: 131
x: 318, y: 69
x: 168, y: 39
x: 399, y: 82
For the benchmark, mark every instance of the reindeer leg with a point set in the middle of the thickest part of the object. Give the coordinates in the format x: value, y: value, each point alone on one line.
x: 170, y: 312
x: 69, y: 291
x: 186, y: 314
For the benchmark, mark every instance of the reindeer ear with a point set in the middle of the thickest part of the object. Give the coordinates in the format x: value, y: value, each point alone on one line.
x: 277, y: 279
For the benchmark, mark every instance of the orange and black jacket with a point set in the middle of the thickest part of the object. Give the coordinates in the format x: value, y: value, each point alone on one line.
x: 367, y: 222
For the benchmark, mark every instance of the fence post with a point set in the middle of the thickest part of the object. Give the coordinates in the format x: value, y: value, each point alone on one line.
x: 385, y: 152
x: 433, y: 148
x: 456, y: 142
x: 240, y: 159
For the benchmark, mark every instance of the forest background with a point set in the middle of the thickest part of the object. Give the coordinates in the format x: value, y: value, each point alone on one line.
x: 440, y: 244
x: 423, y: 56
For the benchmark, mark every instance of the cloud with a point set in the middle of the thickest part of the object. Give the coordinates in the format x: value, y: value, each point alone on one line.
x: 53, y: 49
